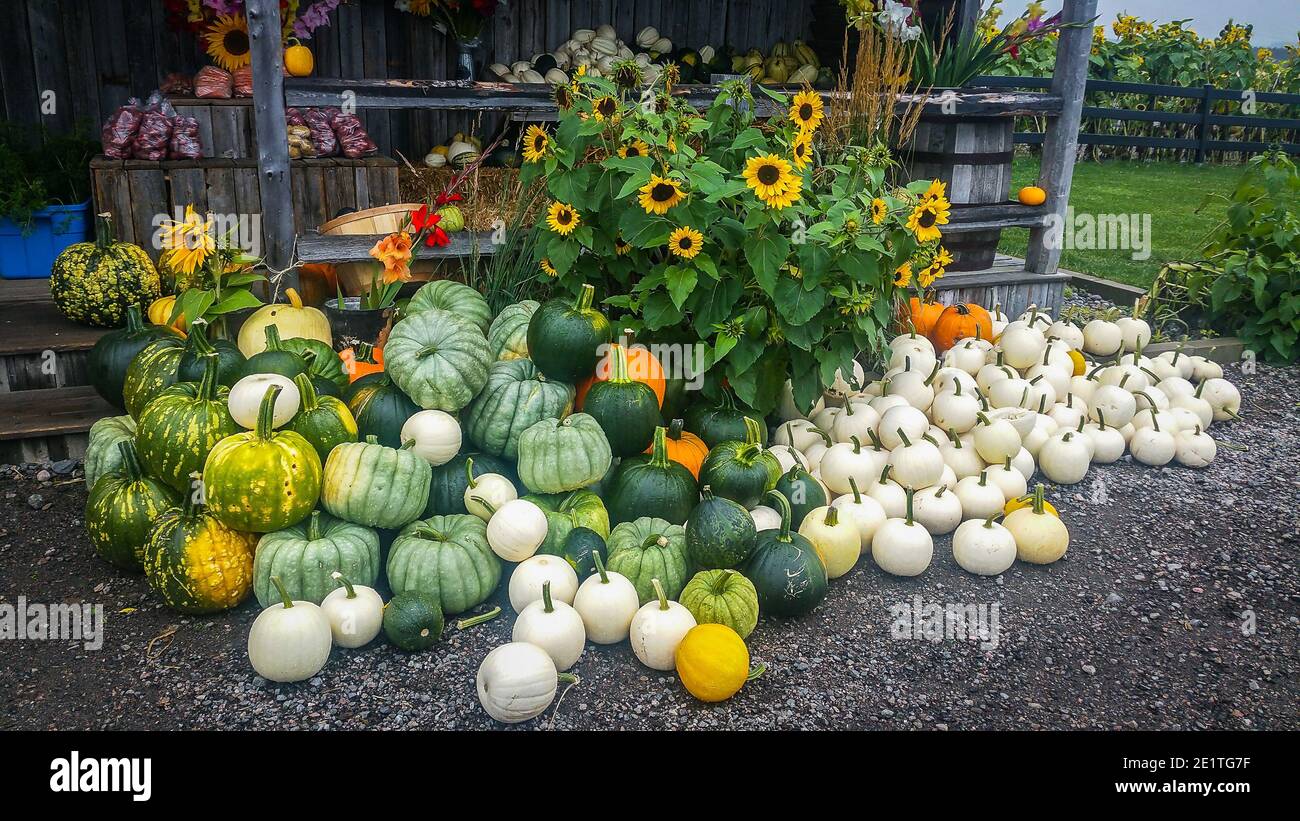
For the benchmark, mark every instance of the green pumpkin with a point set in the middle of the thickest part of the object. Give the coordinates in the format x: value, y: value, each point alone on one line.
x: 580, y: 548
x: 652, y: 482
x: 230, y: 360
x: 380, y: 408
x: 412, y: 621
x: 446, y: 557
x: 438, y: 359
x: 723, y: 422
x: 650, y: 548
x: 178, y: 430
x: 322, y: 361
x: 515, y: 398
x: 454, y: 298
x: 558, y: 455
x: 262, y: 480
x: 322, y: 420
x: 197, y: 564
x: 274, y: 359
x: 720, y: 532
x: 627, y: 410
x: 802, y: 490
x: 741, y: 471
x: 306, y: 555
x: 566, y: 512
x: 722, y: 597
x: 448, y: 481
x: 102, y: 453
x: 372, y: 484
x: 564, y: 338
x: 94, y: 283
x: 151, y: 372
x: 786, y: 571
x: 112, y: 354
x: 122, y: 508
x: 676, y: 400
x: 508, y: 334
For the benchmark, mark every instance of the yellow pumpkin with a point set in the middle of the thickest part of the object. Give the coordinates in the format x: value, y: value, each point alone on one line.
x: 1080, y: 364
x: 1027, y: 501
x: 712, y: 662
x: 298, y: 60
x: 160, y: 310
x: 1032, y: 195
x: 291, y: 319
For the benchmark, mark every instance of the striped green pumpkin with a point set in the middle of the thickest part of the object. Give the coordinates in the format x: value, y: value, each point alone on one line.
x: 178, y: 430
x: 152, y: 371
x: 454, y: 298
x: 722, y: 597
x: 556, y: 456
x: 322, y: 361
x: 322, y: 420
x: 197, y: 564
x: 371, y: 484
x: 438, y: 359
x: 647, y: 549
x: 515, y: 398
x: 446, y: 557
x: 121, y: 510
x: 94, y: 282
x: 264, y: 479
x: 102, y: 453
x: 304, y: 557
x: 508, y: 335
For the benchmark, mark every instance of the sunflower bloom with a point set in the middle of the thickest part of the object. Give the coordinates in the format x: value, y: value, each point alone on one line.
x: 801, y: 150
x: 394, y: 251
x: 879, y: 210
x: 806, y: 111
x: 660, y: 194
x: 772, y: 181
x: 605, y: 108
x: 636, y: 148
x: 562, y: 218
x: 925, y: 219
x: 685, y: 242
x: 621, y: 247
x: 938, y: 190
x: 188, y: 242
x: 548, y: 268
x: 228, y: 43
x: 536, y: 141
x: 903, y: 275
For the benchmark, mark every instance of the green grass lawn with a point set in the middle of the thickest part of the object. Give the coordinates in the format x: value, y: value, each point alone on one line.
x: 1170, y: 192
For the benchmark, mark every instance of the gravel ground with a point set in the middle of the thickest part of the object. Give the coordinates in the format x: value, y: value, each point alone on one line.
x: 1175, y: 608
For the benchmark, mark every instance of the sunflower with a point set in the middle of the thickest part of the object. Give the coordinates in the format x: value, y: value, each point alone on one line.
x: 879, y: 210
x: 563, y: 96
x: 925, y: 219
x: 685, y: 242
x: 903, y: 275
x: 605, y: 108
x: 942, y: 259
x: 770, y: 177
x: 660, y: 194
x: 636, y: 148
x: 548, y: 268
x: 188, y: 242
x: 801, y: 149
x: 937, y: 191
x: 620, y: 246
x: 806, y: 110
x: 562, y: 218
x: 228, y: 41
x: 536, y: 141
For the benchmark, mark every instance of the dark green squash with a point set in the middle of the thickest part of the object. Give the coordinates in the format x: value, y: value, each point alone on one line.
x: 580, y: 549
x: 113, y: 352
x: 380, y: 409
x: 122, y: 508
x: 741, y: 470
x: 627, y: 410
x: 723, y: 422
x: 786, y: 571
x: 802, y: 490
x: 652, y: 483
x: 720, y: 533
x: 230, y: 360
x: 177, y: 430
x: 448, y: 482
x: 323, y: 363
x: 413, y: 621
x: 275, y: 359
x: 566, y: 511
x: 324, y: 421
x: 564, y: 337
x: 151, y: 372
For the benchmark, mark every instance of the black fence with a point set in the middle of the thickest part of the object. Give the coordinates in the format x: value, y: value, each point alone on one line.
x: 1161, y: 120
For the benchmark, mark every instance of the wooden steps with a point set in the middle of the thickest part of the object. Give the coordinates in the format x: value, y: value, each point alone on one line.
x: 1006, y: 283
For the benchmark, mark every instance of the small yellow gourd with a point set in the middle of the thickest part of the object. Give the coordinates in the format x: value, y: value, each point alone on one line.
x: 1041, y: 538
x: 1032, y: 195
x: 298, y: 60
x: 291, y: 319
x: 712, y: 662
x: 160, y: 310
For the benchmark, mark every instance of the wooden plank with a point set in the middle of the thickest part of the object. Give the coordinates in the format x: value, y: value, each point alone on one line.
x: 17, y: 77
x: 229, y: 139
x: 340, y: 186
x: 273, y: 142
x: 375, y: 64
x: 79, y: 46
x: 51, y: 412
x: 356, y: 247
x: 31, y: 327
x: 54, y: 91
x: 112, y: 193
x: 221, y: 195
x: 148, y: 188
x: 189, y: 186
x: 137, y: 40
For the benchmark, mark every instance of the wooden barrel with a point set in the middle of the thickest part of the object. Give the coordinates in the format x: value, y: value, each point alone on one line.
x: 973, y: 156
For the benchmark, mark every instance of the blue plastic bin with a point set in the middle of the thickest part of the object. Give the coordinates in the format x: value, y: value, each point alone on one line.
x: 31, y: 255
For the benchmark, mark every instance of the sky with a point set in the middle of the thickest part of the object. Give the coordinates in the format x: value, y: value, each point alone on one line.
x: 1275, y: 21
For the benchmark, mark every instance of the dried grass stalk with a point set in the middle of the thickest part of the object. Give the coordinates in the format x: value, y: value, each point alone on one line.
x: 873, y: 106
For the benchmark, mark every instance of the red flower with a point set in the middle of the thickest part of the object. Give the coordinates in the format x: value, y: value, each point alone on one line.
x: 446, y: 199
x: 421, y: 219
x: 437, y: 238
x: 485, y: 8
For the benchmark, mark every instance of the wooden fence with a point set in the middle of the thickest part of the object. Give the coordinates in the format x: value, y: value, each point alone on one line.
x: 1189, y: 123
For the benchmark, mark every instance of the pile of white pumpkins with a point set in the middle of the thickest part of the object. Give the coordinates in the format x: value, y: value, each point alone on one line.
x: 596, y: 50
x: 943, y: 441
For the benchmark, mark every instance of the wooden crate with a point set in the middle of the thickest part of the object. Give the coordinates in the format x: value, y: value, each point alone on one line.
x: 226, y: 127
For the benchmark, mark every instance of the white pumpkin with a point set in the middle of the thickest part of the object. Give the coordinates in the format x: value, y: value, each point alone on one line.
x: 855, y: 419
x: 788, y: 410
x: 967, y: 357
x: 788, y: 457
x: 355, y: 612
x: 535, y: 573
x: 486, y: 493
x: 1011, y: 393
x: 902, y: 547
x: 798, y: 434
x: 962, y: 459
x: 1065, y: 457
x: 765, y: 518
x: 938, y: 509
x: 825, y: 417
x: 657, y: 628
x: 1195, y: 405
x: 516, y: 530
x: 436, y: 434
x: 914, y: 386
x: 912, y: 341
x: 517, y: 682
x: 1116, y: 404
x: 1153, y: 446
x: 1067, y: 332
x: 996, y: 439
x: 1194, y: 448
x: 984, y: 548
x: 836, y: 539
x: 1024, y: 462
x: 1041, y: 537
x: 1108, y: 443
x: 1010, y: 481
x: 912, y: 358
x: 901, y: 421
x: 882, y: 403
x: 1044, y: 427
x: 841, y: 388
x: 979, y: 497
x: 1186, y: 367
x: 290, y: 640
x: 607, y: 601
x: 1102, y: 338
x: 1135, y: 334
x: 849, y: 461
x: 554, y: 626
x: 1022, y: 346
x: 1223, y: 396
x: 955, y: 410
x: 864, y: 512
x: 245, y: 400
x: 916, y: 464
x: 890, y: 495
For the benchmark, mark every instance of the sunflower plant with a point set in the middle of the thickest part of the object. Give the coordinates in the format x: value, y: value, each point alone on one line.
x: 721, y: 229
x: 214, y: 277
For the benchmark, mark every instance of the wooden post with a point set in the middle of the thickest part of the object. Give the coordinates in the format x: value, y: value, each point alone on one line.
x: 1203, y: 135
x: 1061, y: 142
x: 272, y: 138
x: 968, y: 17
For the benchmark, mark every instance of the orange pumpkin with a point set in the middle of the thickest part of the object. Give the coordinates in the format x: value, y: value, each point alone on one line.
x: 923, y: 315
x: 684, y: 447
x: 364, y: 360
x: 642, y: 366
x: 958, y: 322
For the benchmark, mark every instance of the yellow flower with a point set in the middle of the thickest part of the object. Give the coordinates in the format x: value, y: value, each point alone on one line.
x: 942, y: 258
x: 548, y: 268
x: 228, y: 43
x: 189, y: 242
x: 636, y: 148
x: 806, y: 110
x: 685, y: 242
x: 536, y: 141
x: 903, y: 275
x: 925, y: 219
x: 879, y: 210
x: 605, y: 108
x: 621, y: 247
x: 801, y: 149
x: 771, y: 178
x: 938, y: 190
x: 660, y: 194
x: 562, y: 218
